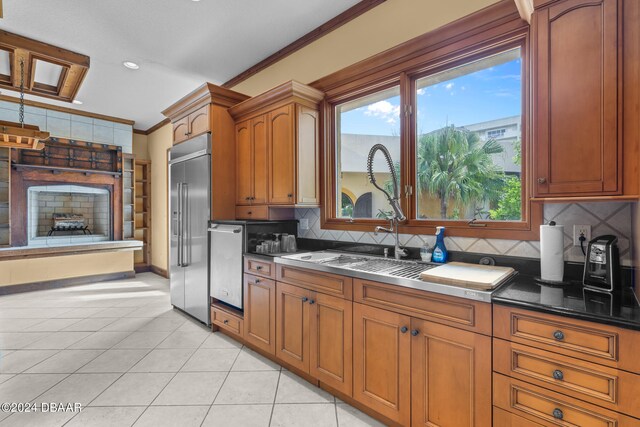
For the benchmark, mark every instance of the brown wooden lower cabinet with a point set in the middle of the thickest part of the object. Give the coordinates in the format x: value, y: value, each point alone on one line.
x: 420, y: 373
x: 450, y: 376
x: 382, y: 361
x: 549, y: 408
x: 502, y: 418
x: 292, y: 325
x: 260, y: 313
x: 313, y: 334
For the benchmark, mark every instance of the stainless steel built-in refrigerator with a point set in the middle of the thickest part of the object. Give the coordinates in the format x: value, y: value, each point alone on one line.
x: 189, y: 209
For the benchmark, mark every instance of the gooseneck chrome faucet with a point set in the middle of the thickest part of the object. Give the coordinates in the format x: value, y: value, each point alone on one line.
x: 397, y: 214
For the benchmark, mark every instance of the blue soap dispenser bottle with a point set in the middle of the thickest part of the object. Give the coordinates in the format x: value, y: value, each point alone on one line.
x: 440, y: 253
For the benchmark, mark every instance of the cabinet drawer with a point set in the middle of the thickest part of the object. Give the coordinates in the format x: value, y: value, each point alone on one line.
x: 601, y: 385
x: 590, y: 341
x: 252, y: 212
x: 550, y: 408
x: 462, y: 313
x: 226, y: 320
x: 259, y: 267
x: 326, y: 283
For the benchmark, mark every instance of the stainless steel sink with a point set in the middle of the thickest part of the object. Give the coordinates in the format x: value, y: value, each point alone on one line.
x: 381, y: 266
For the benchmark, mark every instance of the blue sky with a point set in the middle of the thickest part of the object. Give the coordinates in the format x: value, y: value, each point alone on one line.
x: 487, y: 94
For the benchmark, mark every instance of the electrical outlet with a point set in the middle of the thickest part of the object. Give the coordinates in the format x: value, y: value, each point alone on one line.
x: 581, y: 229
x: 304, y: 224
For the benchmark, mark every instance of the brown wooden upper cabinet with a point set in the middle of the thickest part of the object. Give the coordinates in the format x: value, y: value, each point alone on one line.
x: 197, y: 112
x: 252, y: 171
x: 277, y: 147
x: 578, y: 88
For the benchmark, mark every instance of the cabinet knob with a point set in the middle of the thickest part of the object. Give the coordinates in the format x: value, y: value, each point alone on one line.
x: 305, y: 299
x: 249, y: 213
x: 558, y: 414
x: 258, y: 267
x: 289, y: 195
x: 404, y: 329
x: 542, y: 180
x: 558, y: 335
x: 557, y: 374
x: 312, y: 302
x: 247, y: 198
x: 226, y: 322
x: 256, y: 281
x: 415, y: 332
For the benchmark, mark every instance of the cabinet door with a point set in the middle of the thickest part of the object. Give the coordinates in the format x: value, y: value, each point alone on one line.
x: 330, y: 329
x: 450, y: 376
x: 576, y: 143
x: 308, y: 156
x: 281, y: 156
x: 260, y: 312
x: 244, y: 161
x: 382, y: 361
x: 181, y: 130
x: 260, y: 160
x: 292, y: 325
x: 199, y: 121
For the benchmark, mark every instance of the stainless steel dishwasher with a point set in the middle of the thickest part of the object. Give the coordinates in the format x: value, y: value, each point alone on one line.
x: 226, y: 246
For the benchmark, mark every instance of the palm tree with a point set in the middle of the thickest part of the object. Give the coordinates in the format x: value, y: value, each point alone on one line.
x: 454, y: 164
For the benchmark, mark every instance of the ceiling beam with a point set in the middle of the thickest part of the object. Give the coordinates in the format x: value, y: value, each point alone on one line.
x: 525, y: 8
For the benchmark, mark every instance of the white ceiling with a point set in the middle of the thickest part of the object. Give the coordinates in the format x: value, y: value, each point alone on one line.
x: 179, y: 44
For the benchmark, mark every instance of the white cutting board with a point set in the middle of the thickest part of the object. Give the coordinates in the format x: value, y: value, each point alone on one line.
x: 473, y: 276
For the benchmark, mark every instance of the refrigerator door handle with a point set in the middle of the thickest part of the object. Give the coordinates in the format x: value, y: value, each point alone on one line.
x: 179, y: 225
x: 186, y: 238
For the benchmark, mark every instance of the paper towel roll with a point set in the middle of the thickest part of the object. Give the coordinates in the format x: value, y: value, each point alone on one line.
x: 552, y: 252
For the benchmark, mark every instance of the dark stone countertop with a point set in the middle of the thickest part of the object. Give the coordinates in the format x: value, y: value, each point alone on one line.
x: 619, y: 308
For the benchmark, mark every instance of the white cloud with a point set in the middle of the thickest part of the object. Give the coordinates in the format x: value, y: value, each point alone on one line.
x: 384, y: 110
x: 420, y: 91
x: 449, y: 86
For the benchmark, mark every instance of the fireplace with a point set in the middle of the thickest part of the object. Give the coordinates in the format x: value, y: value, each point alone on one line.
x: 70, y: 178
x: 55, y: 213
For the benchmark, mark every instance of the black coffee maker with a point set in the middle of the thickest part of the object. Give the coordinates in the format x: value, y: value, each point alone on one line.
x: 602, y: 264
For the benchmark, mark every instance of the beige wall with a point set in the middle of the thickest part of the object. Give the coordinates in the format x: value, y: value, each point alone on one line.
x: 141, y: 146
x: 14, y: 272
x: 383, y: 27
x: 159, y: 142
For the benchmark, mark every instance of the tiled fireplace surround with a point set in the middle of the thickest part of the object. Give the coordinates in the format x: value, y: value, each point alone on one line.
x: 604, y: 217
x: 92, y: 203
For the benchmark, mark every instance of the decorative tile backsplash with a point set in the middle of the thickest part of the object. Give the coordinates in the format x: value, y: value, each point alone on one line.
x: 604, y: 218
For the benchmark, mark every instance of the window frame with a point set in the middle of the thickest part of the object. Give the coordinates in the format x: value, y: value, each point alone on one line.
x: 405, y: 76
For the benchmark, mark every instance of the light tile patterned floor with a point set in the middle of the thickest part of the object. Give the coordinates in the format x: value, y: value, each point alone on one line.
x: 120, y: 350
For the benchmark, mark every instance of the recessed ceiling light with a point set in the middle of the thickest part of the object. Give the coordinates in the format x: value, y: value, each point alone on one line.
x: 195, y: 0
x: 77, y: 102
x: 131, y: 65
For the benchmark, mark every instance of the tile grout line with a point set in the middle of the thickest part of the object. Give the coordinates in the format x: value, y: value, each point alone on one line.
x: 275, y: 397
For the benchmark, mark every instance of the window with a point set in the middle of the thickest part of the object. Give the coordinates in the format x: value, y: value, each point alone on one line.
x: 496, y: 133
x: 462, y: 170
x: 360, y: 124
x: 455, y: 122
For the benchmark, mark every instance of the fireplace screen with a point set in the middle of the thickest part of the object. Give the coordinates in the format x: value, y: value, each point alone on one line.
x: 60, y: 214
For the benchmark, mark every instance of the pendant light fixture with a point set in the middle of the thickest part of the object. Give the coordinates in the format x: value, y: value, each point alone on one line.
x: 19, y: 135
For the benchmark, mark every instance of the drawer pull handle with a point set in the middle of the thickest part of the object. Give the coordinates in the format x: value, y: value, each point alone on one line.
x: 404, y: 329
x: 558, y: 414
x: 257, y: 281
x: 415, y: 332
x: 557, y: 374
x: 305, y: 299
x: 258, y: 267
x: 312, y: 302
x: 558, y: 335
x: 226, y: 322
